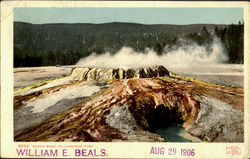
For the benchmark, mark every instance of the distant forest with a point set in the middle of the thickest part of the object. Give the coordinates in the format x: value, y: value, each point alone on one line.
x: 65, y: 44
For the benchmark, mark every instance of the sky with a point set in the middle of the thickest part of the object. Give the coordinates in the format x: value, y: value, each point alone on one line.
x: 178, y: 16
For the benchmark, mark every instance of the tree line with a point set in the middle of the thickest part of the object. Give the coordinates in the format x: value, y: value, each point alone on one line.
x: 232, y: 38
x: 35, y: 47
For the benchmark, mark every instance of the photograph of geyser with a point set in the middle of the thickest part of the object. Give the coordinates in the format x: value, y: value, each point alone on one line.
x: 128, y: 74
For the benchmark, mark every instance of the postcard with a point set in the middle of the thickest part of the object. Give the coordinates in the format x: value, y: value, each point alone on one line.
x: 113, y: 79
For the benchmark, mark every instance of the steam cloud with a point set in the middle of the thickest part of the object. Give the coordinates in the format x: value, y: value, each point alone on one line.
x: 192, y: 54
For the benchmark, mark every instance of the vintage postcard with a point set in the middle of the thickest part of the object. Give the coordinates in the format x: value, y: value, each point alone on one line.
x: 127, y: 79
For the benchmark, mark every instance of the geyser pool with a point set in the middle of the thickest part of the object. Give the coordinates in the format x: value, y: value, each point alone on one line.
x: 174, y: 133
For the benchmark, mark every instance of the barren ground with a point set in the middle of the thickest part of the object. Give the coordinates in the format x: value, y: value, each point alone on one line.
x: 224, y: 74
x: 29, y: 75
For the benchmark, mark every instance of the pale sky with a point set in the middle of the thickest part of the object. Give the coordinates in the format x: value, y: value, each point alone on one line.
x: 134, y: 15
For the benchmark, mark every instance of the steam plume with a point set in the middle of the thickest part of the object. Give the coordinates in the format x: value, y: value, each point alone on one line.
x: 191, y: 54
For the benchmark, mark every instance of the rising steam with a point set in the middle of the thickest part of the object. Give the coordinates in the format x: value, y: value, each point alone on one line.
x: 191, y: 54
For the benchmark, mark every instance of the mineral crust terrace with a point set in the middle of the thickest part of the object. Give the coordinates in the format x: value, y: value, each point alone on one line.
x: 129, y: 105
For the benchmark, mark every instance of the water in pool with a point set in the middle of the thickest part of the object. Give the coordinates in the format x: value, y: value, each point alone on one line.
x: 176, y: 134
